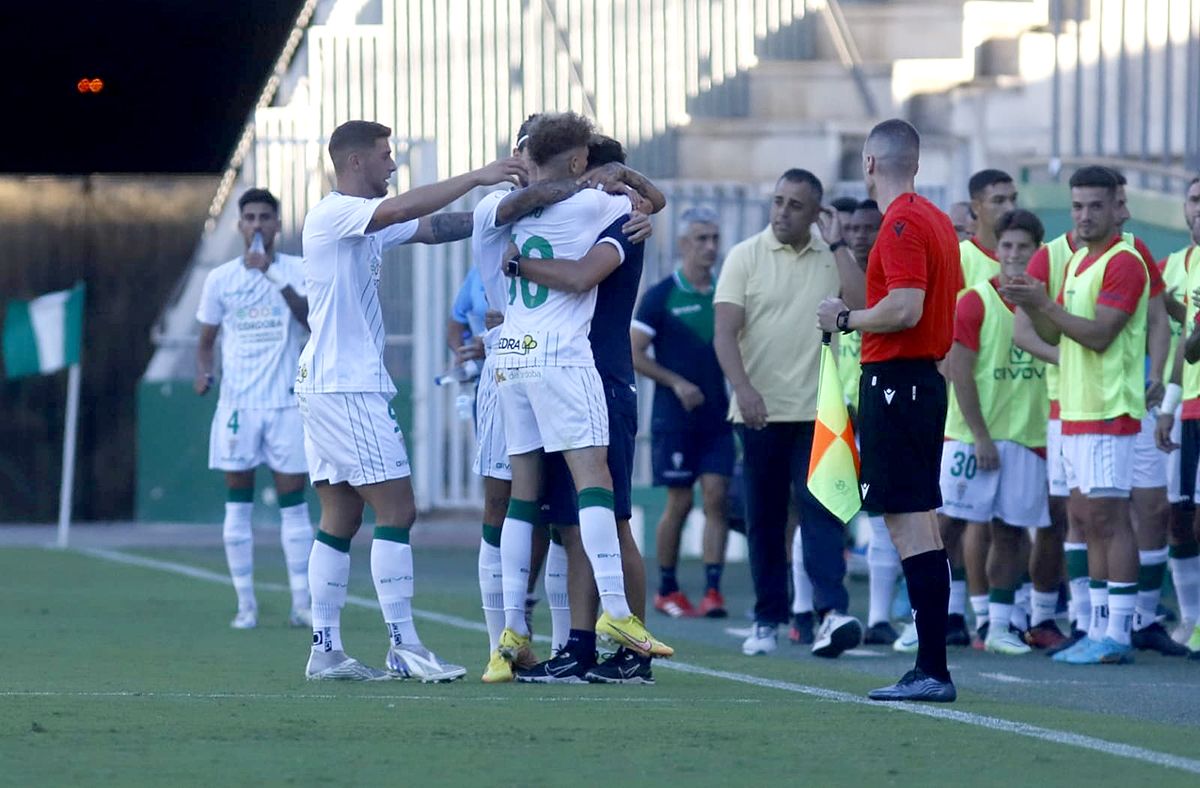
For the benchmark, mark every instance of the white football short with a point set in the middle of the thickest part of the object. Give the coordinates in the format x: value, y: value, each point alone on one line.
x: 242, y: 439
x: 491, y: 451
x: 1149, y: 464
x: 552, y: 408
x: 1054, y: 460
x: 352, y: 437
x: 1015, y: 493
x: 1099, y: 466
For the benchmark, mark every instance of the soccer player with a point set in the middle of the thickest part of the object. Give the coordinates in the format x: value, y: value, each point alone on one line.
x: 256, y: 301
x: 551, y: 394
x: 1184, y: 551
x: 354, y: 448
x: 993, y: 469
x: 964, y: 220
x: 845, y: 208
x: 993, y: 195
x: 690, y: 439
x: 1099, y: 322
x: 912, y: 280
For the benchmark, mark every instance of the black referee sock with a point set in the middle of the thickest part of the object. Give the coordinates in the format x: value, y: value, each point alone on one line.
x: 928, y: 578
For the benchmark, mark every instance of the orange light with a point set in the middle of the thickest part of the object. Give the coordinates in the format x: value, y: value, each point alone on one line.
x: 96, y: 85
x: 92, y: 85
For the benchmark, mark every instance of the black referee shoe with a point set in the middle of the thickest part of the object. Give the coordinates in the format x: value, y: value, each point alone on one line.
x: 1156, y: 638
x: 917, y: 685
x: 563, y: 668
x: 624, y: 667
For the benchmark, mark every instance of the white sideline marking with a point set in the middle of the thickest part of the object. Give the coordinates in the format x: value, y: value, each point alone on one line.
x: 307, y: 696
x: 1006, y: 678
x: 1117, y: 749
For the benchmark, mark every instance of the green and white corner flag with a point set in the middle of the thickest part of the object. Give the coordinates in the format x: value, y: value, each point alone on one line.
x: 43, y: 335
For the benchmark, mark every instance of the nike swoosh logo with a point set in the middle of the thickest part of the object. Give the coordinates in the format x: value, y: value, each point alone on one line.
x: 637, y: 645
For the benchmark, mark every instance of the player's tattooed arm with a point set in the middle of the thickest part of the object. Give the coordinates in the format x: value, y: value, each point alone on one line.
x: 521, y: 202
x: 440, y: 228
x: 616, y: 178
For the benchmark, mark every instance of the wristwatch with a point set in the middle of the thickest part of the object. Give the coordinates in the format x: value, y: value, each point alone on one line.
x: 512, y: 266
x: 843, y: 322
x: 838, y: 244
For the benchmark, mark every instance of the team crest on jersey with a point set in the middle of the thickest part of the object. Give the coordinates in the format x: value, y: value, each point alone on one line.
x: 303, y: 374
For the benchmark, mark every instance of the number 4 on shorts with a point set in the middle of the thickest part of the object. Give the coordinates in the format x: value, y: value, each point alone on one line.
x: 232, y: 424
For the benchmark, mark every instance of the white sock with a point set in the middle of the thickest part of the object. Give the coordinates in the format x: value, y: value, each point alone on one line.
x: 598, y: 530
x: 296, y: 536
x: 516, y: 545
x: 981, y: 609
x: 1121, y: 608
x: 328, y: 575
x: 1151, y: 562
x: 1043, y: 605
x: 1185, y: 574
x: 1079, y: 607
x: 1020, y: 611
x: 998, y: 612
x: 392, y: 571
x: 883, y: 567
x: 556, y: 595
x: 1098, y: 625
x: 491, y: 592
x: 239, y: 552
x: 802, y: 590
x: 958, y: 598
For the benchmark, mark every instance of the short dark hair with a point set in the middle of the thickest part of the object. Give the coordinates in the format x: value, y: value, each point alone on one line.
x: 354, y: 135
x: 985, y: 178
x: 554, y: 133
x: 797, y: 175
x: 258, y: 195
x: 901, y: 143
x: 523, y: 131
x: 1192, y: 183
x: 1094, y: 176
x: 1021, y: 219
x: 604, y: 150
x: 844, y: 204
x: 868, y: 205
x: 1120, y: 176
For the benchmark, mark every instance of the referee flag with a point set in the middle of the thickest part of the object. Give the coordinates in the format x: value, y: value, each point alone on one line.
x: 833, y: 466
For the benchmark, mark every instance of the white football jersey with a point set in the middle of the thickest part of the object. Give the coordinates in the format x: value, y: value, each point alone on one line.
x: 488, y: 243
x: 341, y: 274
x: 544, y: 327
x: 260, y: 339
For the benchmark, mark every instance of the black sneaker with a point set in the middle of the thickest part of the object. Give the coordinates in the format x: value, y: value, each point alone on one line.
x: 1156, y: 638
x: 624, y: 667
x: 801, y: 632
x: 956, y: 631
x: 563, y: 668
x: 881, y: 633
x: 1075, y: 636
x: 917, y: 685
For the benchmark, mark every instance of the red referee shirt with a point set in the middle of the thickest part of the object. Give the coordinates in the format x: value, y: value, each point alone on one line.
x: 918, y: 248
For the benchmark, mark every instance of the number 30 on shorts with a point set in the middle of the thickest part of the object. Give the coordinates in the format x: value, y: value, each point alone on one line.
x: 964, y: 465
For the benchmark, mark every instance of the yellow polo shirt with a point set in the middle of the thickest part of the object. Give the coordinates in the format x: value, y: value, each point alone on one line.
x: 780, y: 288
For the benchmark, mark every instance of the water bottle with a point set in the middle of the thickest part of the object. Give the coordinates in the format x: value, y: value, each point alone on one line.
x: 256, y: 245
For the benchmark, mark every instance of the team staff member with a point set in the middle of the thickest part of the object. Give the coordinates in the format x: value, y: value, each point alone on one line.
x: 768, y: 285
x: 964, y: 220
x: 689, y: 437
x: 913, y: 277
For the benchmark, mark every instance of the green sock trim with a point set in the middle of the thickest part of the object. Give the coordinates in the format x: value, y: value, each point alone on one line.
x: 525, y: 511
x: 294, y: 498
x: 1184, y: 550
x: 1150, y: 576
x: 1097, y: 584
x: 958, y: 573
x: 1122, y: 589
x: 239, y: 495
x: 491, y: 534
x: 1002, y: 596
x: 1077, y: 566
x: 336, y: 542
x: 392, y: 533
x: 595, y: 496
x: 555, y: 536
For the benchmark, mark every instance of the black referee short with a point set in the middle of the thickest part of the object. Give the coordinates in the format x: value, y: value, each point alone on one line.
x: 901, y: 422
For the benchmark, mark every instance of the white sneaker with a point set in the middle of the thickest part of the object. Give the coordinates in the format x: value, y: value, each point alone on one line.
x: 418, y: 662
x: 336, y: 666
x: 1006, y: 642
x: 763, y: 640
x: 837, y: 633
x: 907, y: 642
x: 245, y: 619
x: 300, y: 618
x: 1183, y: 631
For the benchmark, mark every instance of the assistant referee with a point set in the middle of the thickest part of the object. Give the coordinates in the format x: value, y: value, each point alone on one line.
x: 912, y: 278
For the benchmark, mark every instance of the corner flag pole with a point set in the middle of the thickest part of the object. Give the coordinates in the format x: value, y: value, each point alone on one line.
x: 70, y: 430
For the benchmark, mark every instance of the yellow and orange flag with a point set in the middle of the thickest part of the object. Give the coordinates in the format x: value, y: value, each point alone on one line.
x: 833, y: 465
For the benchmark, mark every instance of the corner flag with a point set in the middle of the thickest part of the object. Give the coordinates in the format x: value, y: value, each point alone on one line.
x: 833, y: 466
